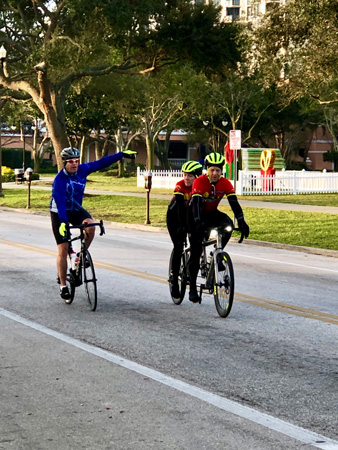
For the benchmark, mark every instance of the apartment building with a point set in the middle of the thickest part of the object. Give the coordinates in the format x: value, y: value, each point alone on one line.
x: 243, y: 10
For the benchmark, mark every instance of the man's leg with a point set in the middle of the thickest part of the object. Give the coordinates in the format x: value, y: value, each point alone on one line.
x: 61, y: 262
x: 89, y: 232
x: 193, y: 266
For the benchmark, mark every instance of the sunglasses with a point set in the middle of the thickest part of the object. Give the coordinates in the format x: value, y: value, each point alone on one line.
x: 73, y: 161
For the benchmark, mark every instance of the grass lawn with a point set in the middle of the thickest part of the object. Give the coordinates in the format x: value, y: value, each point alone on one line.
x: 100, y: 181
x: 288, y: 227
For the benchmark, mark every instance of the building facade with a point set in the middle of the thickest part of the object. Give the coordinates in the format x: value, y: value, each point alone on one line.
x: 243, y: 10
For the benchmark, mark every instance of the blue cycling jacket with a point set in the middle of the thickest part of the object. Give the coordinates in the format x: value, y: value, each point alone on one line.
x: 68, y: 189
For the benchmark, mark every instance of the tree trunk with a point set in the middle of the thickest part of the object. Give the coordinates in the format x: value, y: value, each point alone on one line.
x: 98, y: 152
x: 150, y: 153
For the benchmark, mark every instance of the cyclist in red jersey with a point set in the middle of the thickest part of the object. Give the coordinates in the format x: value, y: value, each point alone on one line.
x: 203, y: 213
x: 177, y: 217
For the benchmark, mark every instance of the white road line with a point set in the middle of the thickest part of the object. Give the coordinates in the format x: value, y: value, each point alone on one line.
x: 306, y: 436
x: 304, y: 266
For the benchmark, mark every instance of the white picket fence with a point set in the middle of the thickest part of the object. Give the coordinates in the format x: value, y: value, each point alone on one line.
x: 286, y: 182
x: 160, y: 178
x: 253, y: 183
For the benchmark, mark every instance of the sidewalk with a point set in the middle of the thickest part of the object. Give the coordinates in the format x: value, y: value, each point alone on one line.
x: 245, y: 203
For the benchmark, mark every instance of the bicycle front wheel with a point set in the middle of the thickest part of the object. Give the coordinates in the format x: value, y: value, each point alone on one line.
x: 89, y: 279
x: 224, y: 284
x: 182, y: 280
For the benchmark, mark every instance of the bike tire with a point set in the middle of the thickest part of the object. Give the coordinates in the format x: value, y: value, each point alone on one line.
x: 224, y: 290
x: 182, y: 280
x: 89, y: 279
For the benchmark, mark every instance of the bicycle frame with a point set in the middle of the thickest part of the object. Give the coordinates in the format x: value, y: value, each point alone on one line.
x: 216, y: 235
x: 84, y: 272
x: 83, y: 247
x: 209, y: 271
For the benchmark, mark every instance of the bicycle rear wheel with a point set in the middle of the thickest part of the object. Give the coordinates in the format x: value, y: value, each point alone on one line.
x: 89, y: 279
x: 70, y: 281
x: 224, y: 284
x: 182, y: 280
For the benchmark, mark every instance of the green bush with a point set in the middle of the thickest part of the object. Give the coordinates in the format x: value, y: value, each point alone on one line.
x: 47, y: 166
x: 8, y: 177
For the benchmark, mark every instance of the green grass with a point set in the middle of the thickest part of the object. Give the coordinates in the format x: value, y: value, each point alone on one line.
x: 288, y: 227
x: 300, y: 199
x: 99, y: 181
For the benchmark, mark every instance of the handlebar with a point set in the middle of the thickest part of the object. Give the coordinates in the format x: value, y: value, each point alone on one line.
x: 82, y: 226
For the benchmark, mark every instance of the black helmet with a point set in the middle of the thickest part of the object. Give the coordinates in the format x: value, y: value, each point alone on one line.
x: 193, y: 167
x: 214, y: 159
x: 69, y: 153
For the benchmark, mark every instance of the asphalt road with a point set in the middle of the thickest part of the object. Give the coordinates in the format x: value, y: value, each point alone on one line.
x: 143, y: 373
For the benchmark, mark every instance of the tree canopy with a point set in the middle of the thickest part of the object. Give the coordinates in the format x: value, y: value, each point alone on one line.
x: 53, y: 47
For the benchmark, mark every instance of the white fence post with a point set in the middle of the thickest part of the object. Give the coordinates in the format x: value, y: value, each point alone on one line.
x: 294, y: 182
x: 239, y: 186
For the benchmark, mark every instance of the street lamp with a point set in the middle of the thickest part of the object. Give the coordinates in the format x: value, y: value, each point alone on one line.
x: 3, y: 54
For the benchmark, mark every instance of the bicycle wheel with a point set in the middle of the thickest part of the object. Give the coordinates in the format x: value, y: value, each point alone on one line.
x: 182, y: 280
x: 89, y: 279
x: 224, y: 284
x: 70, y: 281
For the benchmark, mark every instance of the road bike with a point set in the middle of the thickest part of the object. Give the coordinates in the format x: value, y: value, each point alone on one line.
x: 216, y: 273
x: 84, y: 272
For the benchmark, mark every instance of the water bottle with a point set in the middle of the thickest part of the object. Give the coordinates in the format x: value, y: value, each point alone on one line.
x: 209, y: 260
x: 74, y: 257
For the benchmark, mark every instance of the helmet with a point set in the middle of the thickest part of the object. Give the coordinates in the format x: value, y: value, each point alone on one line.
x: 193, y: 167
x: 214, y: 159
x: 70, y: 153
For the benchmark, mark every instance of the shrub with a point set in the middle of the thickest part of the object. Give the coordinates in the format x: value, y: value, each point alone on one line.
x: 6, y: 170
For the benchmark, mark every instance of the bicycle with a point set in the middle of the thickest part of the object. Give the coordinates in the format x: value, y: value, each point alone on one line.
x: 84, y: 272
x: 216, y: 271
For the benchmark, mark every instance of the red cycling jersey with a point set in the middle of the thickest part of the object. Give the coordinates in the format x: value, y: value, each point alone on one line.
x: 182, y: 189
x: 211, y: 194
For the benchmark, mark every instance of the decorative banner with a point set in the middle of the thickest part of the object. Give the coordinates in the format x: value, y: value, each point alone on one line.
x: 229, y: 154
x: 229, y: 159
x: 268, y: 158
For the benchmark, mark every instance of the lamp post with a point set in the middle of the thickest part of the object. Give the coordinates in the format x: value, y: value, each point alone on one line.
x: 3, y: 54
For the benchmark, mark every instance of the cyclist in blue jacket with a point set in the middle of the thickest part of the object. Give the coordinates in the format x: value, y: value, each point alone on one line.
x: 66, y: 203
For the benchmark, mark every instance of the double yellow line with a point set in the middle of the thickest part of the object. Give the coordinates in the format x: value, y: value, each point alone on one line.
x: 242, y: 298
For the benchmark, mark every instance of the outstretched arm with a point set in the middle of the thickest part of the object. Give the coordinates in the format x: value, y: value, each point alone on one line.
x: 107, y: 161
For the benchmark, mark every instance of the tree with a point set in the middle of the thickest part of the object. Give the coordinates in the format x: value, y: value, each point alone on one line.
x: 53, y: 46
x: 296, y: 47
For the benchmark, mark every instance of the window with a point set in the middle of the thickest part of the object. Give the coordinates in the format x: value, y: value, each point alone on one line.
x: 178, y: 149
x: 234, y: 12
